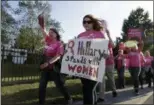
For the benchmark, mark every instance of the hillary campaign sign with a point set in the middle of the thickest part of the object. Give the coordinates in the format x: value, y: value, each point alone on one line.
x: 84, y: 58
x: 135, y: 32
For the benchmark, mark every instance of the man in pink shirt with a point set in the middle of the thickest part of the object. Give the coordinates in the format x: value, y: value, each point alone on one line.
x: 148, y: 68
x: 141, y: 76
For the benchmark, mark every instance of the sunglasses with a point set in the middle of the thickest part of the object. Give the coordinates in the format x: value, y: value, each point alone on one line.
x: 88, y: 22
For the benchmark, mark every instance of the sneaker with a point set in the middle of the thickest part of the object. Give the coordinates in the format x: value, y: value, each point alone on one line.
x: 70, y: 102
x: 100, y: 100
x: 136, y: 92
x: 149, y: 86
x: 114, y: 94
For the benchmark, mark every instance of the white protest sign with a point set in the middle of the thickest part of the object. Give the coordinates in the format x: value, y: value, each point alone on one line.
x: 84, y: 58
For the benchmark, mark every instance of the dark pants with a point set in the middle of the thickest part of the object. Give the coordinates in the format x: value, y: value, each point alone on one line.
x: 141, y: 76
x: 88, y: 94
x: 149, y: 76
x: 135, y: 71
x: 121, y: 77
x: 58, y: 80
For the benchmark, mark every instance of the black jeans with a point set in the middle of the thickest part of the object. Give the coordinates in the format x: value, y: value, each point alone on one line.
x: 141, y: 76
x: 88, y: 86
x: 135, y: 71
x: 121, y: 77
x: 149, y: 76
x: 58, y: 80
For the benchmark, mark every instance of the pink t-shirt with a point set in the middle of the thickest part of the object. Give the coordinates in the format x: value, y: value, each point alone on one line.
x: 110, y: 59
x: 148, y: 60
x: 134, y: 59
x: 48, y: 40
x: 142, y: 59
x: 127, y: 63
x: 91, y: 35
x: 121, y: 61
x: 54, y: 49
x: 98, y: 34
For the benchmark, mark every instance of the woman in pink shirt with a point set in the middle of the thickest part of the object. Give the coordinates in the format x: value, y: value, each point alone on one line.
x: 148, y: 69
x: 53, y: 52
x: 134, y: 67
x: 121, y: 69
x: 93, y: 31
x: 109, y: 70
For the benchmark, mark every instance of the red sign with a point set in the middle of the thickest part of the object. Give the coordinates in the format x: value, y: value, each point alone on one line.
x: 135, y: 32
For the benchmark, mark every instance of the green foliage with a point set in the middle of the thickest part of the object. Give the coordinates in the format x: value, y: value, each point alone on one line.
x: 137, y: 19
x: 28, y: 39
x: 7, y: 23
x: 30, y: 35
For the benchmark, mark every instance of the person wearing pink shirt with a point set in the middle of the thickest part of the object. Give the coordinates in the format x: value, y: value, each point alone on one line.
x: 142, y: 72
x: 134, y: 67
x: 109, y: 71
x: 148, y: 68
x: 93, y: 31
x: 52, y: 52
x: 121, y: 64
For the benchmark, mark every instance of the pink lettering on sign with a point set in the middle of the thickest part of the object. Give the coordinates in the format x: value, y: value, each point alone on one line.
x: 90, y: 71
x: 135, y: 32
x: 70, y: 46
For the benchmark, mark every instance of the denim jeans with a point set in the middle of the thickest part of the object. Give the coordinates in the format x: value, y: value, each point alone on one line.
x: 121, y: 77
x: 141, y: 76
x: 149, y: 76
x: 58, y: 80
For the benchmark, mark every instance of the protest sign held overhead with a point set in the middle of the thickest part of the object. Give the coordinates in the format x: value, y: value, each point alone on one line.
x: 84, y: 58
x: 135, y: 32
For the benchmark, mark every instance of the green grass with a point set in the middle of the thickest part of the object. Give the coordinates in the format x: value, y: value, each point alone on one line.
x: 28, y: 93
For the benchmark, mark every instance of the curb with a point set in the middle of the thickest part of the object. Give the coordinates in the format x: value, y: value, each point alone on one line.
x: 140, y: 99
x: 145, y: 99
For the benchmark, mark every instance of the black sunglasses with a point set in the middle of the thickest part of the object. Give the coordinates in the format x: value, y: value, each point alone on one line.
x: 88, y: 22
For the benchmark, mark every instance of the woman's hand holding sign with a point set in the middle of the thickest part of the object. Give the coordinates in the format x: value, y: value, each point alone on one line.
x: 42, y: 66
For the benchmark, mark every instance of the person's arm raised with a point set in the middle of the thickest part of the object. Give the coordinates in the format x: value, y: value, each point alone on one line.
x: 44, y: 32
x: 110, y: 39
x: 42, y: 25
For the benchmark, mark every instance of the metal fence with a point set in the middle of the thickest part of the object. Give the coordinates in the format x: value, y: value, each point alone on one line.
x: 19, y: 65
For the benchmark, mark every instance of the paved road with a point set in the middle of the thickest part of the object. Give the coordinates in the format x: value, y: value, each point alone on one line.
x: 126, y: 96
x: 150, y: 100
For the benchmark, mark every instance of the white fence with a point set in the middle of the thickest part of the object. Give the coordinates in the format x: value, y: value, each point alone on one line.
x: 19, y: 56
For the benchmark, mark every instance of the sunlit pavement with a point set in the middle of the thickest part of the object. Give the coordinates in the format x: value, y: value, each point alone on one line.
x: 127, y: 96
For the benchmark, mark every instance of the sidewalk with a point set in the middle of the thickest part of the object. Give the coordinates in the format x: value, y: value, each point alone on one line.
x: 126, y: 96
